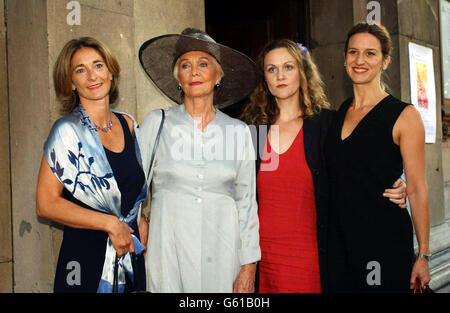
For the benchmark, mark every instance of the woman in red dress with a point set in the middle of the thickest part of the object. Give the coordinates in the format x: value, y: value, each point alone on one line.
x: 292, y: 179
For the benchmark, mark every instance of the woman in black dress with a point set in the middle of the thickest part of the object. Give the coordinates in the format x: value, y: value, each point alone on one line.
x: 375, y: 137
x: 86, y: 78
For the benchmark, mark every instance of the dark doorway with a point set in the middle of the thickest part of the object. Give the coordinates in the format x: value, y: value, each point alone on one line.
x: 247, y: 25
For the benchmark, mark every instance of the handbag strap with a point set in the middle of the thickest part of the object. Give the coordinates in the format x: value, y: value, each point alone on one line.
x: 116, y: 275
x: 116, y: 262
x: 156, y: 141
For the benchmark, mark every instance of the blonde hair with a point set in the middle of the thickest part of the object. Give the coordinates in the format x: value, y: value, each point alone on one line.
x: 177, y: 63
x: 62, y: 72
x: 263, y: 110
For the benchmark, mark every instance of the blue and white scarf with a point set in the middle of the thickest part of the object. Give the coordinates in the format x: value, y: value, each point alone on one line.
x: 77, y: 158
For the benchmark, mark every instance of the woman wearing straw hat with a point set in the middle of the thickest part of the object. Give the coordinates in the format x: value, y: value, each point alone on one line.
x: 204, y: 223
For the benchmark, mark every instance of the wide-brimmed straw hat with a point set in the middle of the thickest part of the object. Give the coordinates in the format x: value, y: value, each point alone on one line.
x: 158, y: 57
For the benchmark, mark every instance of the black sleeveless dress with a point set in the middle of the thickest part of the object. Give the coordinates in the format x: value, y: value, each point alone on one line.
x: 370, y: 238
x: 84, y: 250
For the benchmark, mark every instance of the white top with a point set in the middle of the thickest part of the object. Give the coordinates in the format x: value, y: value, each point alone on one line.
x: 204, y: 221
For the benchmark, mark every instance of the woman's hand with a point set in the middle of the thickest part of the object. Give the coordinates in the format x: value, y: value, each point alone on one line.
x: 420, y: 272
x: 143, y: 232
x: 120, y: 236
x: 397, y: 194
x: 51, y: 205
x: 245, y: 281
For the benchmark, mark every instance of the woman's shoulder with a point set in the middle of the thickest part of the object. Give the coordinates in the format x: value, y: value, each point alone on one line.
x: 326, y: 113
x: 325, y: 116
x: 65, y: 124
x: 228, y: 120
x: 390, y: 108
x: 408, y: 112
x: 131, y: 121
x: 407, y: 120
x: 64, y: 130
x: 345, y: 104
x: 393, y: 101
x: 153, y: 116
x: 155, y: 113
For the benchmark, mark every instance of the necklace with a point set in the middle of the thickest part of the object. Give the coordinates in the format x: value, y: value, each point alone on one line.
x: 106, y: 128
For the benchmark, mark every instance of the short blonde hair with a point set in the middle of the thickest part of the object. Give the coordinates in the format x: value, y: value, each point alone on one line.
x: 62, y: 72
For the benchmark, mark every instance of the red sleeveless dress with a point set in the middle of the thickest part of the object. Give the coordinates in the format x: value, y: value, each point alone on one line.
x: 287, y: 217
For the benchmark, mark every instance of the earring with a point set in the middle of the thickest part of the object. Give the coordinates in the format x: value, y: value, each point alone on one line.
x: 345, y: 64
x: 179, y: 88
x: 217, y: 85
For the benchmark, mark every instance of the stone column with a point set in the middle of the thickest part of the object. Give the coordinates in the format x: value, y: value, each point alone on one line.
x: 36, y: 32
x: 446, y: 168
x: 6, y: 272
x: 418, y: 22
x: 155, y: 18
x: 151, y: 19
x: 29, y: 104
x: 330, y: 21
x: 408, y: 20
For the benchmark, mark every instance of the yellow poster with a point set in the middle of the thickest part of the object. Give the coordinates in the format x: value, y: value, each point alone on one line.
x: 423, y: 87
x: 422, y: 97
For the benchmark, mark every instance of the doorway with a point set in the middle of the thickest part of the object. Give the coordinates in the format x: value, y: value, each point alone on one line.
x: 247, y: 25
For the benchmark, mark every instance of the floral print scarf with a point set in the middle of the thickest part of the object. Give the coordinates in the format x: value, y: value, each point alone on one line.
x: 76, y: 156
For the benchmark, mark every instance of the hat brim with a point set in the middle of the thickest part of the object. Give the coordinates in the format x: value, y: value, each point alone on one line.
x: 158, y: 55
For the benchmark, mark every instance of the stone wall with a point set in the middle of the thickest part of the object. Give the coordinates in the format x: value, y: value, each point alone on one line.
x: 446, y: 169
x: 37, y: 30
x: 155, y: 18
x: 5, y: 190
x: 330, y: 21
x: 29, y: 114
x: 418, y: 22
x: 409, y: 20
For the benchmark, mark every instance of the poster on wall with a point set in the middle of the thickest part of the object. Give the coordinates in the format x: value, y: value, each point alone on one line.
x: 445, y: 39
x: 423, y: 91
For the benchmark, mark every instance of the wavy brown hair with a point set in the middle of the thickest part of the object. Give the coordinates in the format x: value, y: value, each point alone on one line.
x: 62, y: 72
x: 263, y: 110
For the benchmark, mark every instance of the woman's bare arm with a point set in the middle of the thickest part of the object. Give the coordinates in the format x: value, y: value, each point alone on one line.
x: 51, y: 205
x: 409, y: 133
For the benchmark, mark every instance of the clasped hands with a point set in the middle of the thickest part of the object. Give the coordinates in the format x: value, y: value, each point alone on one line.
x: 120, y: 236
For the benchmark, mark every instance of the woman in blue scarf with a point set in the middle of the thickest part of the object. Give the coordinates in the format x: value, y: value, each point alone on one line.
x: 91, y: 179
x: 204, y: 223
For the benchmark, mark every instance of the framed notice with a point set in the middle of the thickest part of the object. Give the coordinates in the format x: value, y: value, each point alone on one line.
x: 445, y: 40
x: 423, y: 91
